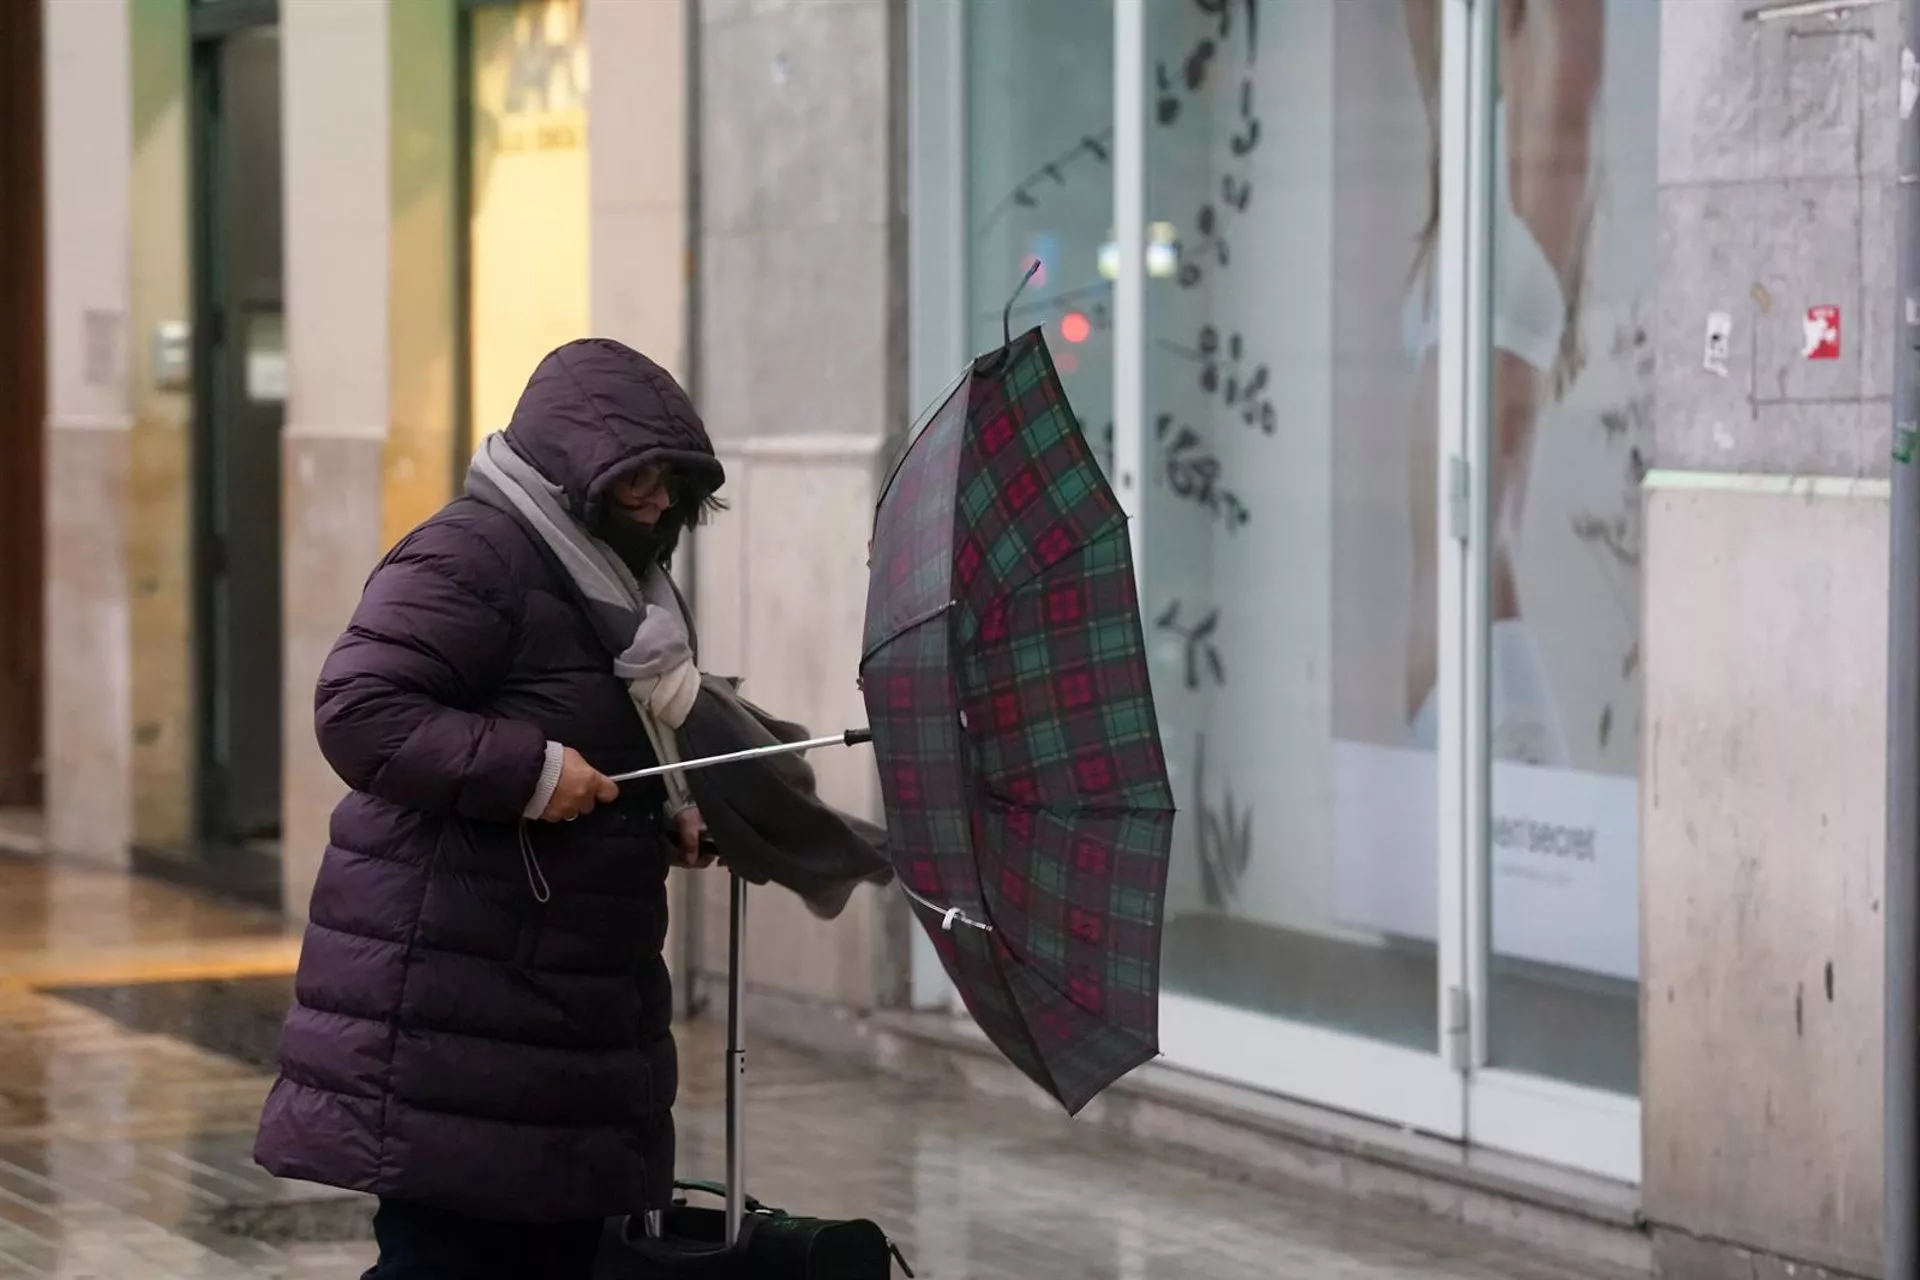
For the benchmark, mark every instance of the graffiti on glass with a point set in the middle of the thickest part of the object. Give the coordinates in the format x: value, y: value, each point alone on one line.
x: 1193, y: 473
x: 1614, y: 535
x: 1236, y: 193
x: 1224, y: 373
x: 1174, y: 87
x: 1202, y: 655
x: 1041, y: 310
x: 1225, y: 837
x: 1244, y: 389
x: 1052, y: 174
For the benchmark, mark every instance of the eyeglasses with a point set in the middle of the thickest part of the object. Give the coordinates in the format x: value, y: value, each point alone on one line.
x: 654, y: 476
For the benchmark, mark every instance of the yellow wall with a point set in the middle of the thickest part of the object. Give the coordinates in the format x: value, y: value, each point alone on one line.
x: 418, y: 467
x: 529, y: 220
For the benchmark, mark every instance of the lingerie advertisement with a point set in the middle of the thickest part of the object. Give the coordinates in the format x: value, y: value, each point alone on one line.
x: 1573, y: 264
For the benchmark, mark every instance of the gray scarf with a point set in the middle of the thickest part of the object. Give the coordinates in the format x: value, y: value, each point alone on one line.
x: 640, y: 622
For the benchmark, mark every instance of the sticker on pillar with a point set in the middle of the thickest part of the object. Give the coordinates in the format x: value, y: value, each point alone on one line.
x: 1909, y: 83
x: 266, y: 358
x: 1820, y: 334
x: 1719, y: 342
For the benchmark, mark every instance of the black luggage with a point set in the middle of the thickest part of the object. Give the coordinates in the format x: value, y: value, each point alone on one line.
x: 744, y: 1240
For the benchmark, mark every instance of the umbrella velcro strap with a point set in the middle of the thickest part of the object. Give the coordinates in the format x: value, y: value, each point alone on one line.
x: 949, y: 916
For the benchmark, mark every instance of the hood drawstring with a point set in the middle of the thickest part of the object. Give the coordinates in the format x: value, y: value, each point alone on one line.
x: 536, y: 878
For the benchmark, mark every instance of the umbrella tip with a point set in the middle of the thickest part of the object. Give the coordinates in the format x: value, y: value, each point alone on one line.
x: 1006, y: 316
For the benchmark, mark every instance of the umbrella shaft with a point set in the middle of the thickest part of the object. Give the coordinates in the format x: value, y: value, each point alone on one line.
x: 850, y: 738
x: 736, y: 1060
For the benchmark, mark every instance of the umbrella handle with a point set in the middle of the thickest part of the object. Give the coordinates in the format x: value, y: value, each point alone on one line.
x: 850, y: 738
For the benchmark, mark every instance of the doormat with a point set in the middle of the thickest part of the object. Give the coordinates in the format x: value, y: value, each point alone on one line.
x: 237, y: 1018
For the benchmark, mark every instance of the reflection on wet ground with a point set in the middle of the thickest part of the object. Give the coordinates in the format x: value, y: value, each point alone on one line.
x: 136, y: 1022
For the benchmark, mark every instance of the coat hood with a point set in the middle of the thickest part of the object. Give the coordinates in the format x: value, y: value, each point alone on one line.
x: 595, y: 410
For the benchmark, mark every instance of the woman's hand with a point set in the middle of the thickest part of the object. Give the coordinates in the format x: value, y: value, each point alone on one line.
x: 688, y: 827
x: 580, y: 789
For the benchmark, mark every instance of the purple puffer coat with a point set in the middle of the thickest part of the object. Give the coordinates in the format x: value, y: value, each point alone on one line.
x: 455, y: 1041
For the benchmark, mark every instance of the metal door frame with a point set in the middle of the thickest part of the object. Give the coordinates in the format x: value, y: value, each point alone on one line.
x: 1569, y: 1125
x: 211, y: 24
x: 212, y: 20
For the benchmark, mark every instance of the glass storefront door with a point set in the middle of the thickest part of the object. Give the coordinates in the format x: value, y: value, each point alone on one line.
x: 1285, y: 523
x: 1300, y: 267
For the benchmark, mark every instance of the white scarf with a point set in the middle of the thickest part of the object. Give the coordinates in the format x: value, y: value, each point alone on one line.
x: 641, y: 622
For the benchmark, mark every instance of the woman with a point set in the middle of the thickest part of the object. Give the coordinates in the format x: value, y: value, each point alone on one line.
x: 1549, y: 68
x: 481, y: 1030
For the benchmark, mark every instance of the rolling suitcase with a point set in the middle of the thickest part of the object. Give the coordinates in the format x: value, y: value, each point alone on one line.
x: 743, y: 1239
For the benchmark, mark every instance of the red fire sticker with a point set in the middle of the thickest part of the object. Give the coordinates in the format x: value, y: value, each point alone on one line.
x: 1821, y: 334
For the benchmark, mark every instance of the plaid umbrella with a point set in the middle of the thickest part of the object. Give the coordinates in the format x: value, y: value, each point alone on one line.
x: 1004, y: 671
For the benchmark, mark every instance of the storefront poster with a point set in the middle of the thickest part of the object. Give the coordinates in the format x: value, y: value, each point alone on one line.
x: 1573, y: 266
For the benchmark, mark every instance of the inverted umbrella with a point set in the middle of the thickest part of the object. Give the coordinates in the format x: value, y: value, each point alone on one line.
x: 1029, y: 816
x: 1004, y: 671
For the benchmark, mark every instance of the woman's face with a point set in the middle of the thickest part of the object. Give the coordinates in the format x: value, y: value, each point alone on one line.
x: 645, y: 495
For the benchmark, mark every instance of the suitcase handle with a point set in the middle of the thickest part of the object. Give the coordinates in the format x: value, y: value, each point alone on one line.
x: 719, y: 1191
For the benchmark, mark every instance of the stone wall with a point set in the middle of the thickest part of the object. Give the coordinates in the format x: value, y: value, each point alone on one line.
x: 334, y: 69
x: 1765, y: 593
x: 801, y: 377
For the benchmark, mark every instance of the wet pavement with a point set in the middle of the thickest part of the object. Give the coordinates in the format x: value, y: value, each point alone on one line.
x: 135, y: 1022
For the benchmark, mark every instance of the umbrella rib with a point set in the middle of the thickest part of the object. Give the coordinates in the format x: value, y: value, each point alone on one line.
x: 1148, y: 1049
x: 1034, y: 971
x: 911, y: 624
x: 1116, y: 521
x: 1037, y: 974
x: 1065, y: 812
x: 919, y: 429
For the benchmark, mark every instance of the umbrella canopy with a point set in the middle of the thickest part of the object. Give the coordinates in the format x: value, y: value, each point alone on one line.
x: 1004, y: 670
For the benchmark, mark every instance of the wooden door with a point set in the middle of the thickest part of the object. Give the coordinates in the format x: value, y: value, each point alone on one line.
x: 22, y: 401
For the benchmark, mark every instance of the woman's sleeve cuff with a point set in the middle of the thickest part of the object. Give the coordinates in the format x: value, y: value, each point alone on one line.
x: 549, y: 781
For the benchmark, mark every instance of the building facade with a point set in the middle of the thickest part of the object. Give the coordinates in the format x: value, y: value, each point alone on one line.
x: 1500, y: 393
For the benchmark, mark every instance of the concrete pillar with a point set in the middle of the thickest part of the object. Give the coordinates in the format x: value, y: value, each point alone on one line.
x: 89, y: 735
x: 637, y: 166
x: 638, y: 231
x: 335, y: 85
x: 801, y: 377
x: 1765, y: 588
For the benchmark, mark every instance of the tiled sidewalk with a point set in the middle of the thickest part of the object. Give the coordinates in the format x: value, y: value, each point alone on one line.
x: 123, y: 1151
